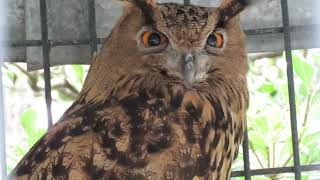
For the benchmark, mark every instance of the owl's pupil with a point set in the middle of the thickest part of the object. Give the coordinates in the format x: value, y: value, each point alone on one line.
x: 154, y: 39
x: 212, y: 40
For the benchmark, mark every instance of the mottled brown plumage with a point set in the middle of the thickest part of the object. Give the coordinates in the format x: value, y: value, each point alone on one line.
x: 174, y: 111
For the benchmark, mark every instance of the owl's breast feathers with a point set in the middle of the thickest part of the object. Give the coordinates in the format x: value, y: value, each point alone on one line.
x: 151, y: 126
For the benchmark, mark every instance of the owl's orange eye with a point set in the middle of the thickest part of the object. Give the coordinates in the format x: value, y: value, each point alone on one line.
x: 152, y: 39
x: 215, y: 40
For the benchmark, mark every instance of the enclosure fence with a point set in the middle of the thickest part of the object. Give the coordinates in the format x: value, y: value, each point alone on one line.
x: 93, y: 41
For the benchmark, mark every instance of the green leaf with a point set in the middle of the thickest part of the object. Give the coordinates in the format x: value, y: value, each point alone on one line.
x: 305, y: 177
x: 12, y: 76
x: 303, y: 92
x: 40, y: 133
x: 268, y: 88
x: 279, y: 126
x: 37, y: 135
x: 284, y: 91
x: 79, y: 71
x: 64, y: 96
x: 261, y: 125
x: 311, y: 139
x: 316, y: 98
x: 28, y: 121
x: 310, y: 152
x: 259, y: 144
x: 20, y: 151
x: 285, y: 151
x: 237, y: 178
x: 303, y: 69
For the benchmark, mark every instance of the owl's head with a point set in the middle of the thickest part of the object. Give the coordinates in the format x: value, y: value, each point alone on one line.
x: 186, y: 40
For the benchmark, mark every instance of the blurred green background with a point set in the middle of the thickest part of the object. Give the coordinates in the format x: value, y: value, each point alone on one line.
x: 268, y: 116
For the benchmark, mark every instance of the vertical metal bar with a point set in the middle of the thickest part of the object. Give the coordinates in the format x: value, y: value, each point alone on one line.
x: 2, y: 130
x: 293, y: 114
x: 186, y: 2
x: 246, y: 156
x: 3, y: 37
x: 46, y: 58
x: 92, y: 26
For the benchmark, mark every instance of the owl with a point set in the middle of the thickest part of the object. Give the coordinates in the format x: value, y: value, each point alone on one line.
x: 165, y: 99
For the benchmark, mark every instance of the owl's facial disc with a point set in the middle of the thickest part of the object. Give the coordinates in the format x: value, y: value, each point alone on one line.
x: 189, y: 62
x: 185, y: 38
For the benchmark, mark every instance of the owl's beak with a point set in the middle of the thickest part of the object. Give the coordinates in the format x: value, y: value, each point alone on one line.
x: 189, y: 67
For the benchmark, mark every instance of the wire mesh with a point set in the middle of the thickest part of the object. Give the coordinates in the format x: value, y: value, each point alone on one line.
x: 93, y: 41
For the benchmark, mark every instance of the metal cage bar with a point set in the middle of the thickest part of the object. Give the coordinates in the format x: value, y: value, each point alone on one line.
x: 292, y: 102
x: 92, y: 26
x: 56, y: 42
x: 2, y: 130
x: 246, y: 156
x: 46, y: 58
x: 280, y: 170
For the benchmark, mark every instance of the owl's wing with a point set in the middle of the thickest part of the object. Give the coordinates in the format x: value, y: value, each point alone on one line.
x: 152, y: 126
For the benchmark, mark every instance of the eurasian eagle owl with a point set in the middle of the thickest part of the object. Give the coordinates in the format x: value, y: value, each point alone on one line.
x: 164, y: 99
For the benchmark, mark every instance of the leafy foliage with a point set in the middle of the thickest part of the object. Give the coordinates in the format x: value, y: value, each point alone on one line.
x: 269, y: 115
x: 28, y: 121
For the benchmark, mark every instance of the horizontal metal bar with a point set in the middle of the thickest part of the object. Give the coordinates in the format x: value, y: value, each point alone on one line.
x: 280, y: 30
x: 249, y: 32
x: 281, y: 170
x: 30, y: 43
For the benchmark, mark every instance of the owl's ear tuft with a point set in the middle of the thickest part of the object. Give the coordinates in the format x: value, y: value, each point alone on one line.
x: 146, y: 7
x: 231, y: 8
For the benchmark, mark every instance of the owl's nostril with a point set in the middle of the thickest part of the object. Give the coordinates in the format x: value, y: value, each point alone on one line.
x: 189, y: 66
x: 189, y: 62
x: 188, y: 58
